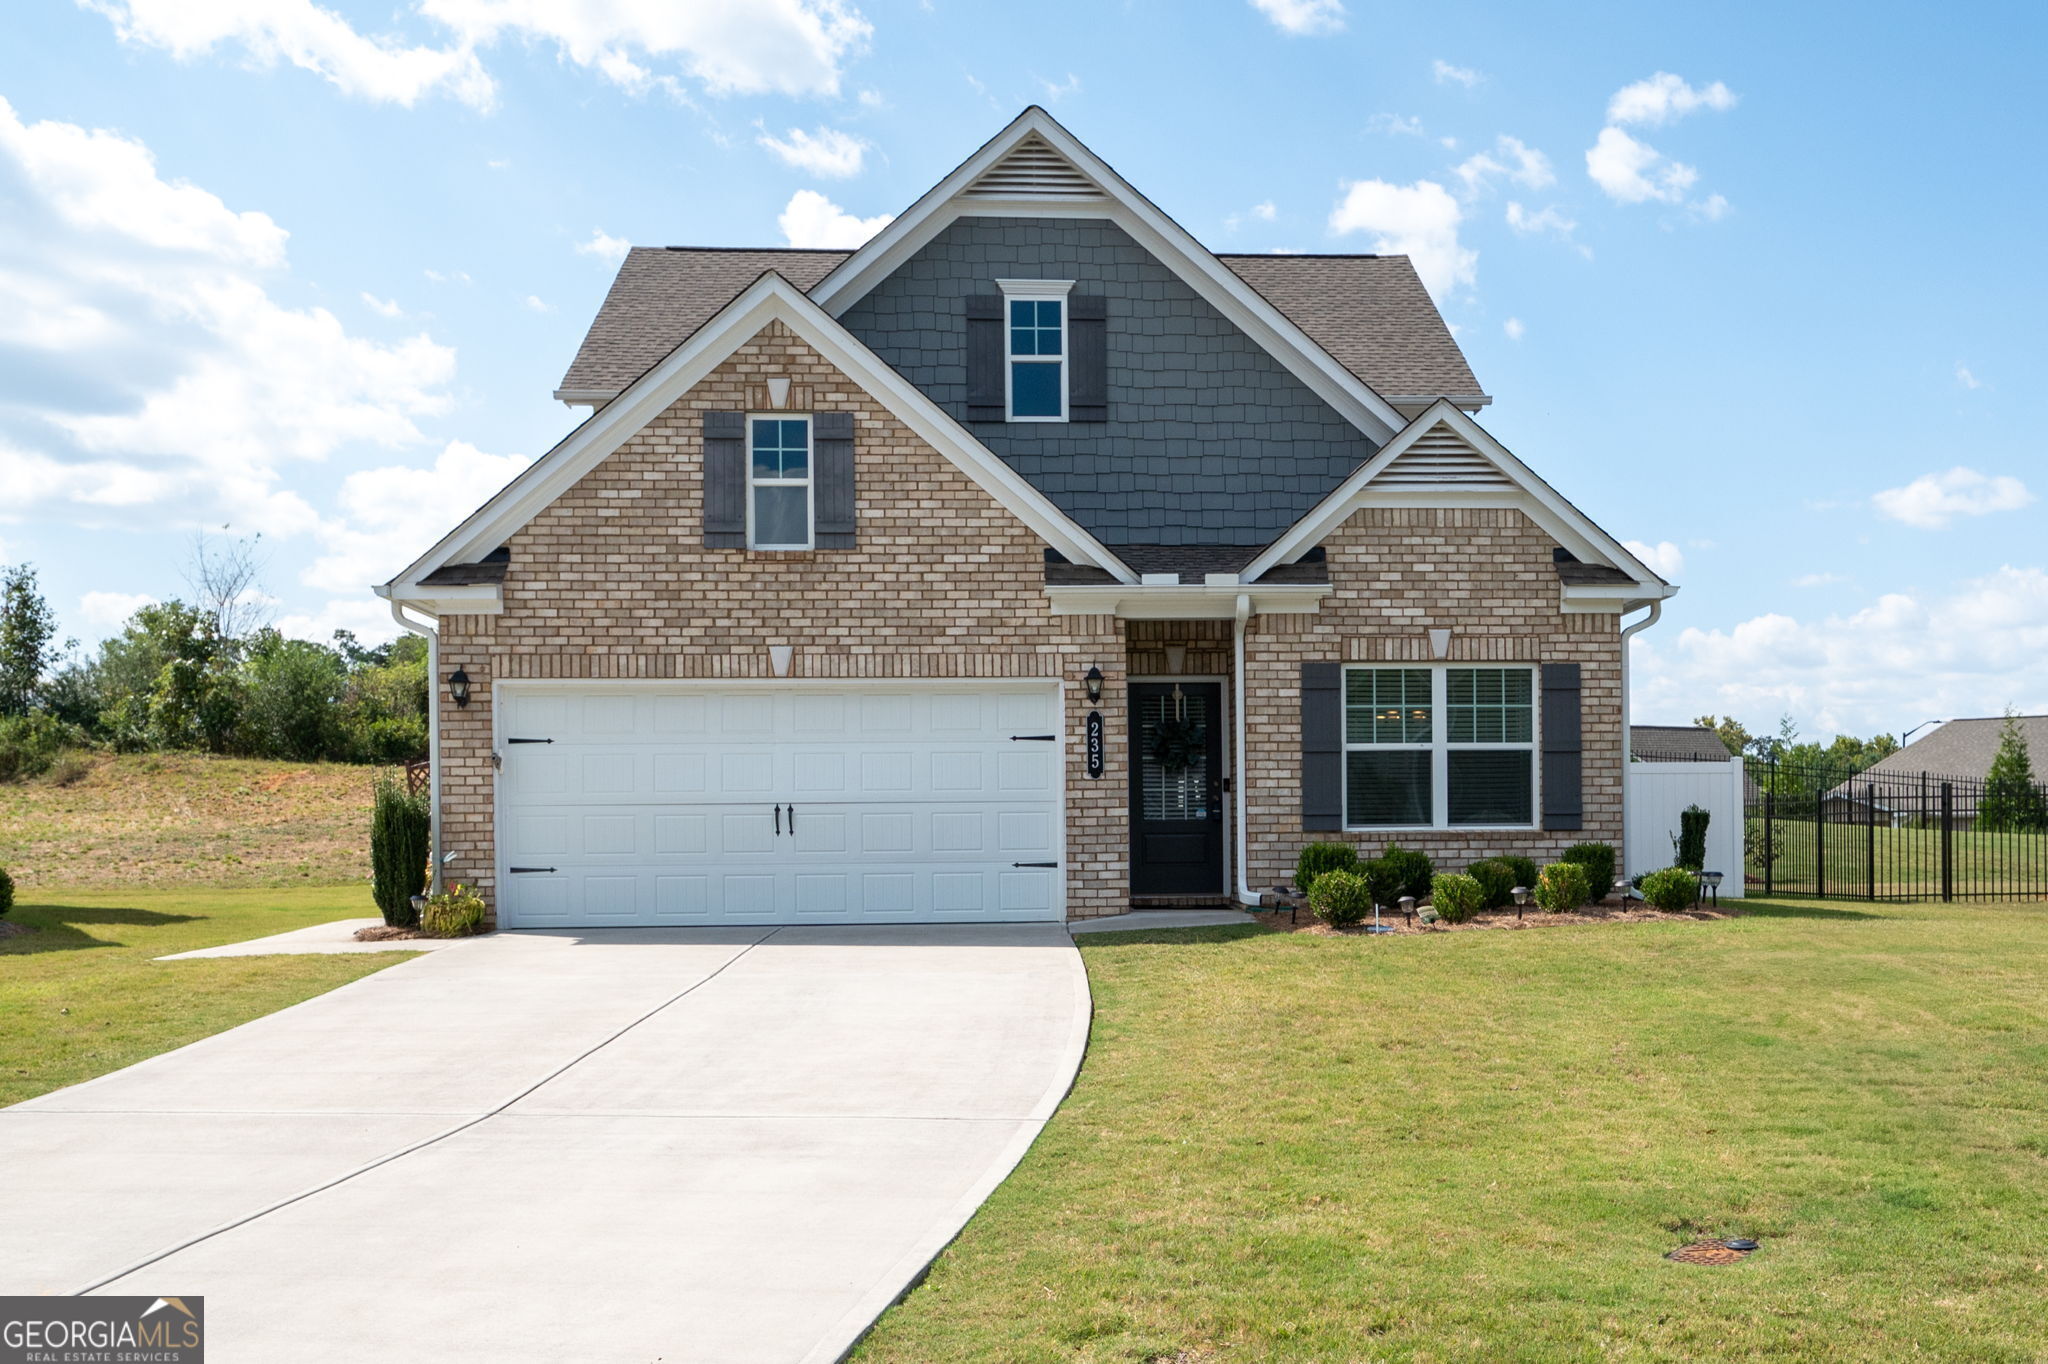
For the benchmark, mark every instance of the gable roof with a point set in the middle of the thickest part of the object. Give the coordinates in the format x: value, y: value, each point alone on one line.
x: 1965, y: 748
x: 770, y: 298
x: 1675, y: 743
x: 1370, y: 313
x: 1444, y: 438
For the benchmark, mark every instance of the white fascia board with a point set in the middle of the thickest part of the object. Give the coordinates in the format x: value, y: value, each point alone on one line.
x: 585, y: 397
x: 1608, y: 599
x: 468, y: 599
x: 1166, y: 239
x: 1541, y: 502
x: 1191, y: 601
x: 770, y: 298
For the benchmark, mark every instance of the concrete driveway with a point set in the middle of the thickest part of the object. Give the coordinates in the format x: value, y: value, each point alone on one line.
x: 634, y: 1145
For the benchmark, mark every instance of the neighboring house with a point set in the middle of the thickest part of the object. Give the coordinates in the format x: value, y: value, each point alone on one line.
x: 1031, y: 561
x: 1906, y: 786
x: 1675, y: 743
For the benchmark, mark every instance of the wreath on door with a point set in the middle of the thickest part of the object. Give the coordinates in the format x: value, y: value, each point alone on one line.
x: 1178, y: 742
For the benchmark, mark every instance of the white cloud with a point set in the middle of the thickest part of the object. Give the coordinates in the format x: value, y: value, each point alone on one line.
x: 1665, y: 559
x: 1664, y: 97
x: 1446, y: 74
x: 1514, y: 328
x: 1396, y: 125
x: 110, y: 610
x: 387, y: 517
x: 173, y: 387
x: 607, y: 248
x: 448, y: 276
x: 1712, y: 209
x: 1632, y: 172
x: 1967, y: 379
x: 1965, y: 651
x: 1303, y: 17
x: 812, y: 220
x: 870, y: 99
x: 1419, y: 221
x: 1931, y: 501
x: 1544, y: 220
x: 1524, y: 165
x: 827, y: 152
x: 383, y: 307
x: 748, y: 47
x: 537, y: 305
x: 1264, y: 212
x: 1055, y: 91
x: 1820, y: 580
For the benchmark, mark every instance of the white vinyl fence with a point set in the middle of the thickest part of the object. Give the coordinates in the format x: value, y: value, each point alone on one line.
x: 1656, y: 792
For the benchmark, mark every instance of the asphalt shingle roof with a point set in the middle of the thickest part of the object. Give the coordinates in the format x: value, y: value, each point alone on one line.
x: 1965, y: 748
x: 1675, y: 743
x: 1370, y: 313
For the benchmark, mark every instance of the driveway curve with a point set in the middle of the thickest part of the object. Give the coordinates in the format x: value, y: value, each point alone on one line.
x: 633, y: 1145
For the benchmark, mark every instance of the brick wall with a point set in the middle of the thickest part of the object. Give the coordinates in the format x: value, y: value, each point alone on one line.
x: 1487, y: 575
x: 613, y: 580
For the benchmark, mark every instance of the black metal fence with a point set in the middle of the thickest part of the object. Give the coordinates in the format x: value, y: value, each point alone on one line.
x: 1833, y: 832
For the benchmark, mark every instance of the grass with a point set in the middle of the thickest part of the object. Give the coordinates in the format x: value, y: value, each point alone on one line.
x: 1478, y: 1146
x: 160, y: 820
x: 81, y: 995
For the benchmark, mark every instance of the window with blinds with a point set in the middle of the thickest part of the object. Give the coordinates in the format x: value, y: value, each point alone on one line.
x: 1439, y: 747
x: 1172, y: 729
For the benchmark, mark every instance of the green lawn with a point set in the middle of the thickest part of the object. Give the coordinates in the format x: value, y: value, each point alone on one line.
x: 81, y: 996
x: 1478, y: 1146
x: 1908, y: 860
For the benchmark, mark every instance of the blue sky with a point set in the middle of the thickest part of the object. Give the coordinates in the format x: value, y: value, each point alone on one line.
x: 1757, y: 286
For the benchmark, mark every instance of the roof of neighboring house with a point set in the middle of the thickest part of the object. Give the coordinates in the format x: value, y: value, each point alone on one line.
x: 1674, y: 743
x: 1965, y: 748
x: 1370, y: 313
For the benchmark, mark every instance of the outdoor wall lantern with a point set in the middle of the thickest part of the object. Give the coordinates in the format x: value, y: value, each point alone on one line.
x: 1521, y: 894
x: 458, y: 688
x: 1094, y: 681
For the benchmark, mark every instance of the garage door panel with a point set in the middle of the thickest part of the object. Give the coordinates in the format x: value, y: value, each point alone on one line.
x: 682, y: 835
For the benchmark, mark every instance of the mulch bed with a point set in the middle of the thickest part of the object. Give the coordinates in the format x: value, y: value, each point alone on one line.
x: 386, y: 933
x: 1532, y: 917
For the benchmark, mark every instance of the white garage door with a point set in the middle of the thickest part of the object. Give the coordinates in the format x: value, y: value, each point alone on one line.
x: 672, y: 803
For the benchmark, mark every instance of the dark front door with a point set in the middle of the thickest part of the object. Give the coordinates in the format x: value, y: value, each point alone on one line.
x: 1176, y: 788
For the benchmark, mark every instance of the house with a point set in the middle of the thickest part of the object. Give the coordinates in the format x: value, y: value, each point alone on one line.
x: 1905, y: 787
x: 1675, y: 744
x: 1031, y: 561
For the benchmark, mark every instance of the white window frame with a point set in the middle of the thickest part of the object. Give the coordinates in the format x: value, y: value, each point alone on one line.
x: 1037, y: 290
x: 1440, y: 746
x: 807, y: 482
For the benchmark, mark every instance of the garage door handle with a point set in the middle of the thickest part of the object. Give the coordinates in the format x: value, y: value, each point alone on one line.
x: 520, y: 871
x: 778, y: 821
x: 529, y: 741
x: 1034, y: 864
x: 792, y: 821
x: 1033, y: 738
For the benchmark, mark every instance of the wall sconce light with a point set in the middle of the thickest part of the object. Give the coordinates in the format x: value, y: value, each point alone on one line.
x: 1176, y: 658
x: 1094, y: 683
x: 458, y: 687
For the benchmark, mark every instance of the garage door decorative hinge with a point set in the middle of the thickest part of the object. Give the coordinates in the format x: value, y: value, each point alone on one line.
x: 529, y: 741
x: 1033, y: 738
x: 1034, y: 864
x: 521, y: 871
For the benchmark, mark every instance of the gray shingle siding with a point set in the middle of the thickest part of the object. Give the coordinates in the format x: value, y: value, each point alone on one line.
x: 1210, y: 441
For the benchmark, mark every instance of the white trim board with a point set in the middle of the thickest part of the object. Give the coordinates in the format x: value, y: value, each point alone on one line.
x: 770, y: 298
x: 1542, y: 503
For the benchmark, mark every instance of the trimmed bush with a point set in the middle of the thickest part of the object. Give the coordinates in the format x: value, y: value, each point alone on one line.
x: 1692, y: 837
x: 1673, y: 888
x: 1496, y: 882
x: 1318, y: 858
x: 1598, y: 860
x: 1456, y: 898
x: 400, y: 844
x: 1522, y: 867
x: 456, y: 912
x: 1414, y: 869
x: 6, y: 892
x: 1561, y: 887
x: 1340, y: 899
x: 1382, y: 881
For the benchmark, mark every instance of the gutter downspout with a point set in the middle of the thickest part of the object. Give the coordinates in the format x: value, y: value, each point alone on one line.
x: 1627, y: 746
x: 1245, y: 894
x: 433, y: 639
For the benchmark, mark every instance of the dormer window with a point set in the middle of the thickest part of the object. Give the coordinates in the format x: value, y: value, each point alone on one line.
x: 1035, y: 331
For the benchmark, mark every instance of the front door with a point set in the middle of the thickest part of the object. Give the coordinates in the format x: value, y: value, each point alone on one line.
x: 1176, y: 788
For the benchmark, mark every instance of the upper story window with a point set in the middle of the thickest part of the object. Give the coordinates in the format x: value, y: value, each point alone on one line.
x: 779, y: 482
x: 1439, y: 747
x: 1035, y: 348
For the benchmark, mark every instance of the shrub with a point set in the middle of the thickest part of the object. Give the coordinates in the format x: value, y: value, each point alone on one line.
x: 30, y: 743
x: 1496, y: 881
x: 1522, y: 867
x: 1672, y: 888
x: 400, y: 843
x: 456, y: 912
x: 1383, y: 881
x: 1414, y: 870
x: 1691, y: 844
x: 1561, y: 887
x: 1598, y: 860
x: 1340, y: 898
x: 1456, y: 898
x: 1318, y: 858
x: 6, y: 892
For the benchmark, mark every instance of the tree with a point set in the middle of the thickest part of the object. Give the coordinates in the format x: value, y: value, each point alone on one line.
x: 26, y: 628
x: 2012, y: 802
x: 1734, y: 737
x: 223, y: 577
x: 292, y: 691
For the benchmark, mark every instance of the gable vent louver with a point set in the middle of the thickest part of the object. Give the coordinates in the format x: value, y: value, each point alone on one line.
x: 1441, y: 456
x: 1033, y: 170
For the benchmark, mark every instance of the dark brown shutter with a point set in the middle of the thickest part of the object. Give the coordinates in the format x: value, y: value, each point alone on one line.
x: 1563, y: 749
x: 985, y: 401
x: 1088, y: 353
x: 725, y: 480
x: 1322, y: 746
x: 832, y: 477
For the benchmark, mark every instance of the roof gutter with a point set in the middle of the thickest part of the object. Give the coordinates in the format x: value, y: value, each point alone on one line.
x: 433, y: 639
x: 1184, y: 601
x: 1241, y: 788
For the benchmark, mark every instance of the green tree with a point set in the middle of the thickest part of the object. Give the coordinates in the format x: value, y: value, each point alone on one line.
x: 2012, y: 802
x: 291, y: 698
x: 26, y: 628
x: 1734, y: 737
